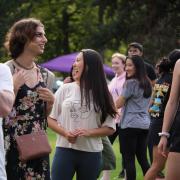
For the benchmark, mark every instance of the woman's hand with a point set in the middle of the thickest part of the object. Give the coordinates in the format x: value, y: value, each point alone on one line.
x: 162, y: 146
x: 46, y: 95
x: 71, y: 136
x: 95, y: 132
x: 83, y: 132
x: 67, y: 80
x: 18, y: 79
x: 120, y: 102
x: 56, y: 127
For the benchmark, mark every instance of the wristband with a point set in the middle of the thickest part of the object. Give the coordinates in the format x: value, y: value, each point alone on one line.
x: 166, y: 134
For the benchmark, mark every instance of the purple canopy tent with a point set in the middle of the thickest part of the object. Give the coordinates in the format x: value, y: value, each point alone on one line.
x: 64, y: 64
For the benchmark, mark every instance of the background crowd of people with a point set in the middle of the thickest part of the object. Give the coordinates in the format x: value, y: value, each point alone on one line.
x: 138, y: 106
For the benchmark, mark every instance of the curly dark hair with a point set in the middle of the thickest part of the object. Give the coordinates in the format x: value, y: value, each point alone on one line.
x: 163, y: 65
x: 19, y: 34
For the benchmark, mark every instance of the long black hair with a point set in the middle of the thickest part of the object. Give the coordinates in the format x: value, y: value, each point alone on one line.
x: 93, y: 85
x: 141, y: 75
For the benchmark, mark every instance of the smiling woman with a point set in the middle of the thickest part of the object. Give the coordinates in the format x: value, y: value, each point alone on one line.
x: 25, y: 41
x: 130, y: 68
x: 134, y: 125
x: 83, y: 112
x: 78, y: 67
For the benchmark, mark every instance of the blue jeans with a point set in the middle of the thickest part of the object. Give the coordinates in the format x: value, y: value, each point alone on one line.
x: 68, y: 161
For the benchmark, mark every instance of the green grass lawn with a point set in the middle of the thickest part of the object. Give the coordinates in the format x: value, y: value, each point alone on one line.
x: 114, y: 174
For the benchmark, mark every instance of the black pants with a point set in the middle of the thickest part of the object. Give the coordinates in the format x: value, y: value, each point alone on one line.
x: 150, y: 145
x: 133, y: 143
x: 112, y: 139
x: 114, y: 135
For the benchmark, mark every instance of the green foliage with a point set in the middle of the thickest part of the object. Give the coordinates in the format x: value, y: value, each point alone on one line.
x: 107, y: 26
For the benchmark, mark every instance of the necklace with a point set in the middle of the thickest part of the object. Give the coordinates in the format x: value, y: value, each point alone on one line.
x: 20, y: 65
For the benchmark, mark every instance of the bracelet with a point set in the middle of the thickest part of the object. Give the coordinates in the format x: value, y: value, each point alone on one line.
x: 166, y: 134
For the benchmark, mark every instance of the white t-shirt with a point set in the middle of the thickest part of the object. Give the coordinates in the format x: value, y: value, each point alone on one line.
x: 6, y: 83
x: 68, y: 112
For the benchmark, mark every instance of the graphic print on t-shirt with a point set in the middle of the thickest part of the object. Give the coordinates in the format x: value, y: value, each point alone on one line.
x: 78, y: 114
x: 160, y: 91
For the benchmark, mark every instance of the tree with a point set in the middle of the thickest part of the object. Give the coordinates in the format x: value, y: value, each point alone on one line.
x: 106, y: 26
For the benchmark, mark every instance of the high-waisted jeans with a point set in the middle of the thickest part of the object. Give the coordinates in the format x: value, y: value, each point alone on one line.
x: 68, y: 161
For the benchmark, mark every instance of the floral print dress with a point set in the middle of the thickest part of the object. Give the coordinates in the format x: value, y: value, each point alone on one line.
x: 28, y: 115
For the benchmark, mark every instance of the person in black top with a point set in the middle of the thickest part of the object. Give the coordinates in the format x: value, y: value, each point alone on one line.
x: 136, y: 48
x: 171, y: 127
x: 159, y: 100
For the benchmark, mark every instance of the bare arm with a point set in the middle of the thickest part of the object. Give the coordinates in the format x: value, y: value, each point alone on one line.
x: 70, y: 136
x: 173, y: 101
x: 120, y: 102
x: 52, y: 123
x: 171, y: 109
x: 96, y: 132
x: 6, y: 102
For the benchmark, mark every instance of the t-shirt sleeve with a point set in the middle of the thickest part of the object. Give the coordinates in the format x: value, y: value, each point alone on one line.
x: 6, y: 81
x: 50, y: 80
x: 109, y: 122
x: 150, y: 72
x: 59, y: 97
x: 127, y: 90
